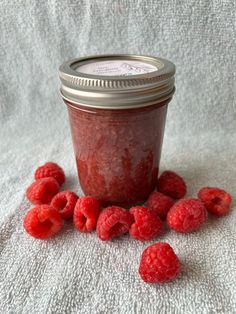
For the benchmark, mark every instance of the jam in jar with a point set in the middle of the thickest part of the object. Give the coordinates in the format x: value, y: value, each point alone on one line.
x: 117, y: 107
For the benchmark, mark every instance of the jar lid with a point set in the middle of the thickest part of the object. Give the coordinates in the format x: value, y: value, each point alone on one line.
x: 117, y: 81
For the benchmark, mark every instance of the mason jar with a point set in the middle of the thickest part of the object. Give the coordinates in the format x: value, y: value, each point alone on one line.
x: 117, y: 107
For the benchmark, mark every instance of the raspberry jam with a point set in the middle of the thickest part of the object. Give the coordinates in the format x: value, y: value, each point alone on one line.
x: 117, y: 132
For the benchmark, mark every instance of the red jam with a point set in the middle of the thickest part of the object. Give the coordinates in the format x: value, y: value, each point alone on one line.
x: 118, y: 151
x: 117, y: 108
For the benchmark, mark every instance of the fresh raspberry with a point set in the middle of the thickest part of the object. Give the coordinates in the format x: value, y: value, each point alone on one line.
x: 171, y: 184
x: 42, y: 191
x: 147, y: 225
x: 113, y: 222
x: 42, y: 222
x: 159, y: 263
x: 186, y: 215
x: 65, y: 202
x: 160, y: 203
x: 216, y: 201
x: 50, y: 169
x: 86, y: 213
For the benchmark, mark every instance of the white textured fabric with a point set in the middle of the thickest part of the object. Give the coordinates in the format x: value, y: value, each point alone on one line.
x: 76, y: 273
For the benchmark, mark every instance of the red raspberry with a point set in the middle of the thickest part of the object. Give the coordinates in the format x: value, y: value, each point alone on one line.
x: 147, y: 225
x: 171, y: 184
x: 159, y: 263
x: 186, y: 215
x: 64, y: 202
x: 160, y: 203
x: 42, y: 191
x: 86, y: 213
x: 50, y: 169
x: 113, y: 222
x: 42, y: 222
x: 216, y: 200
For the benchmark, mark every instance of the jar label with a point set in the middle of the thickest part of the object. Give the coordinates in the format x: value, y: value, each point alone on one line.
x: 117, y: 68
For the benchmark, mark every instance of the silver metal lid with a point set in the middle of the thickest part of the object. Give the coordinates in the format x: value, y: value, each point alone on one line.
x: 117, y: 81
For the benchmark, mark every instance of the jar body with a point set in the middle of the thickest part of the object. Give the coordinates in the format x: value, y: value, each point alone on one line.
x: 118, y: 151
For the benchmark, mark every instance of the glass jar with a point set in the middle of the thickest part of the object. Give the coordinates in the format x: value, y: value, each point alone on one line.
x: 117, y: 108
